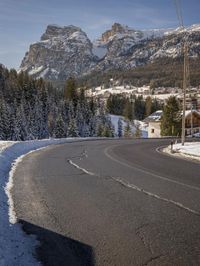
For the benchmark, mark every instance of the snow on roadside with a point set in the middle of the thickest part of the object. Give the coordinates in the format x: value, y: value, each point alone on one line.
x: 189, y: 150
x: 115, y: 118
x: 16, y: 248
x: 5, y: 144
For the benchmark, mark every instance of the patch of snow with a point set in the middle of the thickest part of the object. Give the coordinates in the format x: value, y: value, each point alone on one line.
x: 79, y: 36
x: 115, y: 119
x: 155, y: 33
x: 188, y: 112
x: 44, y: 72
x: 193, y: 28
x: 35, y: 70
x: 190, y: 150
x: 156, y: 116
x: 4, y: 145
x: 165, y: 96
x: 128, y: 91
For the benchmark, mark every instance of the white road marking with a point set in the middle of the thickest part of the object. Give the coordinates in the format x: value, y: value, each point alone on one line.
x: 132, y: 186
x: 149, y: 173
x: 178, y: 204
x: 80, y: 168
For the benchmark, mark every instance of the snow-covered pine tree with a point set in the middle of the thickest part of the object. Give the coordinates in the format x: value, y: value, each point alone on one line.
x: 20, y: 125
x: 4, y: 122
x: 120, y: 128
x: 72, y: 129
x: 138, y: 132
x: 127, y: 130
x: 59, y: 130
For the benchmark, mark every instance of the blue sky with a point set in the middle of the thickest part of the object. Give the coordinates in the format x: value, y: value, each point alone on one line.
x: 22, y: 22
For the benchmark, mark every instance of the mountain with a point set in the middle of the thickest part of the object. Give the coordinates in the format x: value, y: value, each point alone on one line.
x: 67, y: 51
x: 61, y: 52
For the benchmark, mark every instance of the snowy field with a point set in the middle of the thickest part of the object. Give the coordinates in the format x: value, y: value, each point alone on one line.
x: 16, y: 248
x: 115, y: 118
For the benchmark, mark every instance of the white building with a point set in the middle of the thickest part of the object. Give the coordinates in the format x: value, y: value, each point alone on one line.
x: 192, y: 123
x: 153, y: 122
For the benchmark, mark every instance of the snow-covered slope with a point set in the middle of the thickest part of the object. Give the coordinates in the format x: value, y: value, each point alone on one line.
x: 142, y: 126
x: 66, y: 51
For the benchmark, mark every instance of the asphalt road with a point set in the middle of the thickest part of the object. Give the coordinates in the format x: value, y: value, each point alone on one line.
x: 110, y: 202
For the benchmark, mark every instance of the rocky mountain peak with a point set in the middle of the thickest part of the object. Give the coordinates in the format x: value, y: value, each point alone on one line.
x: 117, y: 28
x: 67, y: 51
x: 61, y: 52
x: 56, y: 31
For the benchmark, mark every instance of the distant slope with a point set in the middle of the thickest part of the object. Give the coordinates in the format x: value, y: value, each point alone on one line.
x: 162, y: 72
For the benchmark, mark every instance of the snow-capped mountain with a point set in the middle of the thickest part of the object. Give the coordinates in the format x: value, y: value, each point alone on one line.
x: 61, y: 52
x: 65, y: 51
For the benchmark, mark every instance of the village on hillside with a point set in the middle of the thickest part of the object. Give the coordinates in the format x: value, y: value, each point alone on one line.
x: 152, y: 123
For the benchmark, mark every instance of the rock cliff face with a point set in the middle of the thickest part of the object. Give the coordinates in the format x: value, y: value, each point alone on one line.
x: 61, y: 52
x: 67, y: 51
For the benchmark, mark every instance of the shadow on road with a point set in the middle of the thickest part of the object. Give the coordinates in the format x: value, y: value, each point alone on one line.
x: 58, y: 250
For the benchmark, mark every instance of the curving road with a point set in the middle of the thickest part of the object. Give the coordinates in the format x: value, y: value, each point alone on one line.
x: 110, y: 202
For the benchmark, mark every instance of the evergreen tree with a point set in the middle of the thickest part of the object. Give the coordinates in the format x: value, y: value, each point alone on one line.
x: 20, y: 126
x: 59, y: 130
x: 171, y: 120
x: 127, y: 130
x: 128, y: 111
x: 106, y: 132
x: 33, y: 109
x: 70, y: 92
x: 116, y: 104
x: 99, y: 130
x: 138, y: 132
x: 148, y: 106
x: 139, y: 108
x: 4, y: 121
x: 72, y: 129
x: 120, y: 129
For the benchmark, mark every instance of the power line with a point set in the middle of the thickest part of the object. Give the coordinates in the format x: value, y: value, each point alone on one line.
x: 179, y: 13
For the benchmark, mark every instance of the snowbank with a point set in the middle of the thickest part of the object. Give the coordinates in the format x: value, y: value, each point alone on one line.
x: 189, y: 150
x: 16, y: 248
x: 5, y: 144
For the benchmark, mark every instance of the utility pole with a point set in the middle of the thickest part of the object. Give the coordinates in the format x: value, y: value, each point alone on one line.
x: 185, y: 81
x: 191, y: 120
x: 186, y: 67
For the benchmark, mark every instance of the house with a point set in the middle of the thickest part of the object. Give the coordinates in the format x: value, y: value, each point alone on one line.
x: 153, y: 121
x: 192, y: 123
